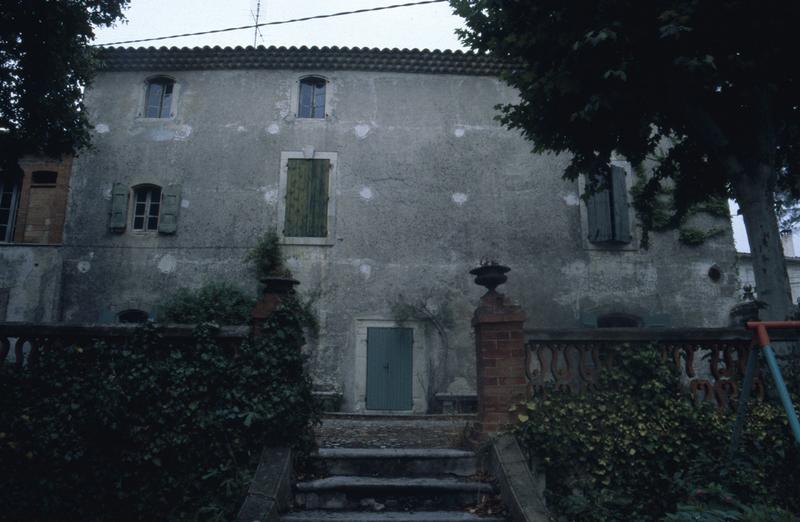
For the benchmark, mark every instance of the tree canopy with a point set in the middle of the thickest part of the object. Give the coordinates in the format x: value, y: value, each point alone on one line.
x: 45, y: 64
x: 706, y: 91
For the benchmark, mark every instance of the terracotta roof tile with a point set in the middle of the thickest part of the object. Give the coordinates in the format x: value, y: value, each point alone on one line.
x: 309, y: 58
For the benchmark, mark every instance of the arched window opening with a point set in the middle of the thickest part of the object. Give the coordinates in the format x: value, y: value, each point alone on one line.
x: 312, y: 98
x: 158, y: 98
x: 133, y: 316
x: 146, y: 207
x: 619, y: 320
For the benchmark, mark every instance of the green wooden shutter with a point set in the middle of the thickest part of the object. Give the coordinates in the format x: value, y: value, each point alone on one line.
x: 307, y: 198
x: 170, y: 204
x: 389, y: 368
x: 619, y: 191
x: 598, y: 210
x: 119, y: 208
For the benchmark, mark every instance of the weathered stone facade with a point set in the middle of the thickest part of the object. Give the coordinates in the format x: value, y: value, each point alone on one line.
x: 423, y: 184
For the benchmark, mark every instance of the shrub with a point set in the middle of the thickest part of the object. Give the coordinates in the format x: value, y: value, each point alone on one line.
x: 221, y: 303
x: 633, y: 448
x: 152, y: 430
x: 267, y: 257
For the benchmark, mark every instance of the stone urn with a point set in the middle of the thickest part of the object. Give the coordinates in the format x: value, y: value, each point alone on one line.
x: 278, y: 284
x: 490, y: 275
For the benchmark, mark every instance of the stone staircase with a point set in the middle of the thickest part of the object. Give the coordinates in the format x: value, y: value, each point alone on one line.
x: 398, y: 485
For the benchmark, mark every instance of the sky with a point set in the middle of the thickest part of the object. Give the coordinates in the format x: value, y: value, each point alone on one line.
x: 429, y: 26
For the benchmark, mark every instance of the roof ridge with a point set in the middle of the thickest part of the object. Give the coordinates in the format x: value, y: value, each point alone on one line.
x: 316, y: 58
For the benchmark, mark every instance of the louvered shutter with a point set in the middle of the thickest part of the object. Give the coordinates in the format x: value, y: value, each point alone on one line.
x: 170, y: 205
x: 306, y: 198
x: 619, y: 191
x: 598, y: 210
x: 119, y: 208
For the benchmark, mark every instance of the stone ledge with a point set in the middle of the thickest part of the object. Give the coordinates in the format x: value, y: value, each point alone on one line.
x: 270, y: 490
x: 521, y: 489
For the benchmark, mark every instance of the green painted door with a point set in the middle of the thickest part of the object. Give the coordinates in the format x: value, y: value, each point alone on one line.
x: 389, y: 368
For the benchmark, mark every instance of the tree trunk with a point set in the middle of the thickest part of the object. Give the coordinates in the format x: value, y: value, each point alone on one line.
x: 756, y: 199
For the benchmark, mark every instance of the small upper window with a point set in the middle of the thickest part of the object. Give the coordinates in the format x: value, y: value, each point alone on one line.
x: 146, y: 207
x: 44, y: 178
x: 312, y: 98
x: 158, y: 99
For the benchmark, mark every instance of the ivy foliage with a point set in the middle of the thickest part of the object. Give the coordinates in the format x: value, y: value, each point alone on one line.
x: 636, y: 447
x: 153, y: 429
x: 221, y: 303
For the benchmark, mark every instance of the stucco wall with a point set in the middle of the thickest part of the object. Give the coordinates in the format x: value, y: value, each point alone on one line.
x: 30, y: 280
x: 426, y: 184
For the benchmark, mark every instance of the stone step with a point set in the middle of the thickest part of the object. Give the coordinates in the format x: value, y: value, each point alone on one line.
x: 398, y: 462
x: 391, y: 493
x: 385, y: 516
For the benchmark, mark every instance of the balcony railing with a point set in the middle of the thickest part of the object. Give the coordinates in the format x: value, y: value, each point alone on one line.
x: 25, y: 341
x: 711, y: 361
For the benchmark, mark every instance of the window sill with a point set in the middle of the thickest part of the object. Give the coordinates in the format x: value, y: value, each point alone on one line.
x: 308, y: 241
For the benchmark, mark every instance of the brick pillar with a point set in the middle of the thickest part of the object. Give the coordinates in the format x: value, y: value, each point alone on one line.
x: 500, y: 361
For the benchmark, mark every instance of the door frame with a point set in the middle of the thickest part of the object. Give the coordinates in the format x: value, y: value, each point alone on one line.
x: 419, y: 366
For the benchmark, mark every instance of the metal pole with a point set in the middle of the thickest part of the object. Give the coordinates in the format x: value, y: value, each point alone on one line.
x: 783, y: 393
x: 744, y: 398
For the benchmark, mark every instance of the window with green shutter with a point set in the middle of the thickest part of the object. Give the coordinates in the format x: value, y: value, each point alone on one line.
x: 307, y: 195
x: 607, y: 211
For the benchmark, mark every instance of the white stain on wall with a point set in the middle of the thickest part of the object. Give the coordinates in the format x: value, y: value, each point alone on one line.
x: 365, y: 270
x: 101, y: 128
x: 459, y: 132
x: 366, y: 193
x: 459, y: 198
x: 572, y: 199
x: 270, y: 196
x: 84, y: 266
x: 184, y: 203
x: 362, y: 130
x: 273, y: 128
x: 167, y: 264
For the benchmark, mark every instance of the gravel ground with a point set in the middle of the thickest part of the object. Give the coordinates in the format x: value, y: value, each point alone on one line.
x: 364, y: 431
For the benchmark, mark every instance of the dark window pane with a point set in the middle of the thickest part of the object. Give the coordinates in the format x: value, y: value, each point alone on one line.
x: 319, y: 101
x: 155, y: 195
x: 152, y: 223
x: 140, y: 207
x: 154, y: 209
x: 306, y: 100
x: 138, y: 223
x: 133, y: 316
x: 4, y: 216
x: 153, y: 100
x: 5, y: 202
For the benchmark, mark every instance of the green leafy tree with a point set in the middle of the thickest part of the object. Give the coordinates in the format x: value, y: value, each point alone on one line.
x: 706, y: 91
x: 45, y: 64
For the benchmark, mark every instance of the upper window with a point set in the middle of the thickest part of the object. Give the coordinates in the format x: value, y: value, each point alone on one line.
x: 608, y: 211
x: 312, y: 98
x: 9, y: 196
x: 146, y: 207
x: 132, y: 316
x: 158, y: 98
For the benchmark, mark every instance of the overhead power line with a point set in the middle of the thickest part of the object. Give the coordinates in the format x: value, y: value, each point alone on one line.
x: 280, y: 22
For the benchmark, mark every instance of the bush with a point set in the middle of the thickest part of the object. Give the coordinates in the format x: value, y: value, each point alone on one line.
x: 267, y: 257
x: 636, y: 446
x: 151, y: 430
x: 221, y: 303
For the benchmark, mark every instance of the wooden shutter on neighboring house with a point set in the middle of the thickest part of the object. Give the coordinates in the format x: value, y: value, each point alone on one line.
x: 619, y: 192
x: 119, y: 208
x: 598, y: 209
x: 170, y: 204
x: 307, y: 198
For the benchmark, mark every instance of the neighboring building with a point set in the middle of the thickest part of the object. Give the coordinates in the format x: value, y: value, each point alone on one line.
x: 388, y: 179
x: 792, y: 267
